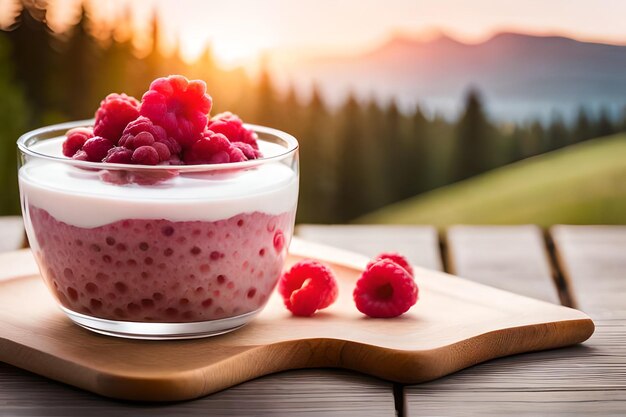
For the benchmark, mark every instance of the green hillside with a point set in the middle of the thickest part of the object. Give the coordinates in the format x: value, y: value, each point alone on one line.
x: 580, y: 184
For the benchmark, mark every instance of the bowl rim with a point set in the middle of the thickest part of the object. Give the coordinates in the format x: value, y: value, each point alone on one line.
x: 56, y: 130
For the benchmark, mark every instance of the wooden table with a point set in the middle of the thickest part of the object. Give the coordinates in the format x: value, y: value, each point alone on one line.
x: 584, y: 266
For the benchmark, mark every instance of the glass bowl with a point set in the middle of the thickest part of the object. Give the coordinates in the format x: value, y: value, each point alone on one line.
x: 158, y: 252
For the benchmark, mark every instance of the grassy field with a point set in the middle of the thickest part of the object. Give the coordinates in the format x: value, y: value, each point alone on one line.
x: 580, y: 184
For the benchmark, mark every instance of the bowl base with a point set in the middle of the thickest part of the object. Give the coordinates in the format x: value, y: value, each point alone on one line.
x: 160, y: 331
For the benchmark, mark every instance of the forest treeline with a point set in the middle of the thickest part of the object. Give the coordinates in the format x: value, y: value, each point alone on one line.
x: 354, y: 159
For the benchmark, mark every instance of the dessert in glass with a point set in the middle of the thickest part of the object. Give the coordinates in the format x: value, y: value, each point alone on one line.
x: 188, y: 243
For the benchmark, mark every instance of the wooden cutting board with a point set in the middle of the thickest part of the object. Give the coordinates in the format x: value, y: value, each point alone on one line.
x: 455, y: 324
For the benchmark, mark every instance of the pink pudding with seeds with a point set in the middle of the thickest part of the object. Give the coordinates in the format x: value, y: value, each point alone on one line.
x: 202, y: 248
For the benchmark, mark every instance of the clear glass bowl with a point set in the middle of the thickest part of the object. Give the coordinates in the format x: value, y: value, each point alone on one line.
x: 158, y: 252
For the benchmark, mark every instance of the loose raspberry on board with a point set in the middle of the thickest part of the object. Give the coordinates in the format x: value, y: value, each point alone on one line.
x: 385, y: 290
x: 307, y: 287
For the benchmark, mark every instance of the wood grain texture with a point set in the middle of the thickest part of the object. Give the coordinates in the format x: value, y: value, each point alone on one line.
x: 512, y: 258
x: 315, y: 392
x: 593, y: 262
x: 589, y: 379
x: 12, y: 234
x: 456, y: 324
x: 420, y: 244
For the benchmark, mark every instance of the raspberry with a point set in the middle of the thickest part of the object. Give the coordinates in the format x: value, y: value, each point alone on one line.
x: 231, y: 126
x: 394, y: 257
x: 385, y: 290
x: 307, y: 287
x: 145, y: 155
x: 180, y: 106
x: 142, y: 132
x: 97, y: 148
x: 119, y: 155
x: 235, y: 154
x: 81, y: 156
x: 75, y: 139
x: 211, y: 148
x: 115, y: 112
x: 145, y: 132
x: 248, y: 151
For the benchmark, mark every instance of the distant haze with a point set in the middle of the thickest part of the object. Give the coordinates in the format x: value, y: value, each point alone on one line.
x: 519, y: 76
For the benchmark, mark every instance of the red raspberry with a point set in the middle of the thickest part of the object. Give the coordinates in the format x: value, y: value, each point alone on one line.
x: 385, y: 290
x: 307, y: 287
x: 115, y: 112
x: 211, y: 148
x: 180, y: 106
x: 145, y: 155
x: 97, y: 148
x: 235, y: 154
x: 141, y: 127
x: 119, y: 155
x: 75, y: 139
x: 248, y: 151
x: 81, y: 156
x: 394, y: 257
x: 231, y: 126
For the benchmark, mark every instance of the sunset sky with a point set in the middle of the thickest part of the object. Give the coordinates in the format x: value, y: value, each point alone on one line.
x: 241, y: 30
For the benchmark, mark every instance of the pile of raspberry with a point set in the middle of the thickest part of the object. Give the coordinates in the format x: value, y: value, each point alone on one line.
x: 385, y: 289
x: 170, y: 126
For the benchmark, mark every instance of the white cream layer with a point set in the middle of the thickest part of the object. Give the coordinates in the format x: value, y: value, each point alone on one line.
x: 78, y: 197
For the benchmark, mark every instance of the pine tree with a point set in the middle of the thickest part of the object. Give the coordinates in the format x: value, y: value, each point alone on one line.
x: 557, y: 134
x: 352, y: 185
x: 265, y: 112
x: 418, y: 151
x: 30, y: 38
x: 154, y: 60
x: 13, y: 122
x: 582, y: 126
x: 604, y: 125
x: 473, y: 139
x: 316, y: 172
x: 80, y: 70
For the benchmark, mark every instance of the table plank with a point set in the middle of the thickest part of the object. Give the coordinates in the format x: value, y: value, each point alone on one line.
x: 589, y: 379
x: 420, y: 244
x: 310, y: 392
x: 12, y: 235
x: 593, y: 262
x: 513, y: 258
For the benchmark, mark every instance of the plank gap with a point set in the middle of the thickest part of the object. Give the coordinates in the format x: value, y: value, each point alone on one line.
x: 564, y: 290
x: 444, y: 252
x: 398, y: 397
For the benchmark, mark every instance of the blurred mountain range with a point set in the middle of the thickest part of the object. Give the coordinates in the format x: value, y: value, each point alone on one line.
x: 520, y: 76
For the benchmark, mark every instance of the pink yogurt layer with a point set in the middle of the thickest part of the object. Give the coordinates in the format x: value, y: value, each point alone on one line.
x: 163, y: 271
